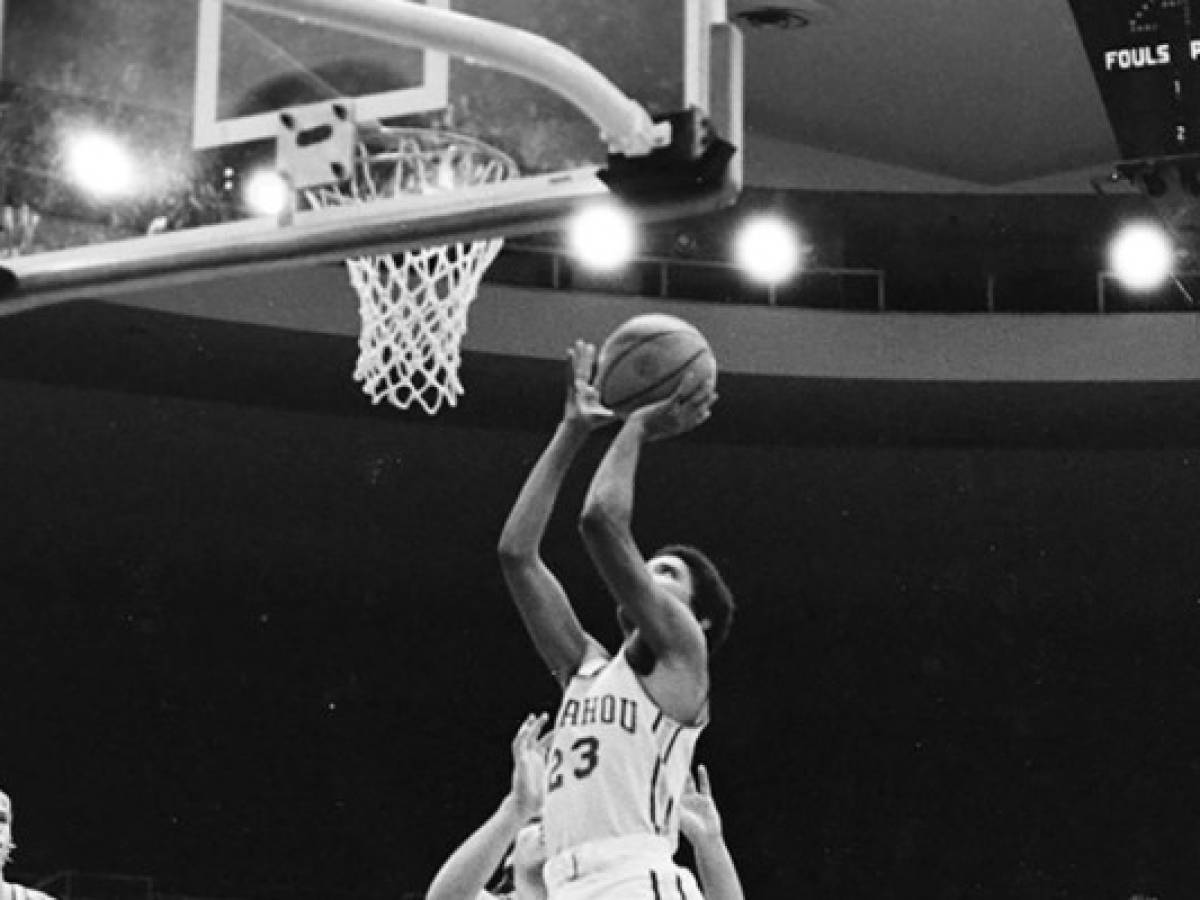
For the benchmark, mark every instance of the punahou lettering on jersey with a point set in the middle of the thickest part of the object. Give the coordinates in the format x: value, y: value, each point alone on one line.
x: 617, y: 763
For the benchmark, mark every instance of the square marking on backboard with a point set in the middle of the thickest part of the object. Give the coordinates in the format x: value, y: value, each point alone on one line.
x: 288, y: 47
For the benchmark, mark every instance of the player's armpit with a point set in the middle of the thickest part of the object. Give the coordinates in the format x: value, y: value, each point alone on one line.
x: 547, y: 615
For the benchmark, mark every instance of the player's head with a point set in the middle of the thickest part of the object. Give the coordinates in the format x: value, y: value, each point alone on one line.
x: 6, y: 820
x: 522, y: 873
x: 693, y: 577
x: 528, y: 858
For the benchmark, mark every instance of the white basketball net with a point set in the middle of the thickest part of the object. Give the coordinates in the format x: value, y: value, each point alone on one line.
x: 413, y: 305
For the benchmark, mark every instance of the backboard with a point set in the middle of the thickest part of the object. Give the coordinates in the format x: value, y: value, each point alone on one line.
x: 131, y: 129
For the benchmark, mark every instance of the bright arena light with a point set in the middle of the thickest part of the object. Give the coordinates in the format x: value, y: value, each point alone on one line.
x: 1141, y: 255
x: 767, y: 249
x: 602, y: 237
x: 98, y: 163
x: 265, y: 193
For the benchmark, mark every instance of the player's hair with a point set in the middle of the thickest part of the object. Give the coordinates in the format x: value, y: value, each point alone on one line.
x: 711, y: 598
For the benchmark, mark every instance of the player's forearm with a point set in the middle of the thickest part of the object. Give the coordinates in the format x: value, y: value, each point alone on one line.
x: 526, y: 523
x: 465, y: 873
x: 609, y: 502
x: 718, y: 875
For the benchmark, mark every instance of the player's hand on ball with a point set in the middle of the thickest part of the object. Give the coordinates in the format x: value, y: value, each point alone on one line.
x: 698, y: 816
x: 689, y: 406
x: 529, y: 766
x: 583, y: 405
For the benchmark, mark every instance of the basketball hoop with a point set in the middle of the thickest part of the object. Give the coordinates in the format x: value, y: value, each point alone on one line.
x: 413, y: 305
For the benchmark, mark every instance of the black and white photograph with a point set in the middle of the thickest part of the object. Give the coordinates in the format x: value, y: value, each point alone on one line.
x: 575, y: 450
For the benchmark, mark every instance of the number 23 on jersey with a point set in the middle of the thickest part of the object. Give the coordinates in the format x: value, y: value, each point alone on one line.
x: 580, y: 762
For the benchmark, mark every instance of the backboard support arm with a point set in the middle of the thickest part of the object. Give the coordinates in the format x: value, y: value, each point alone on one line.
x: 658, y: 174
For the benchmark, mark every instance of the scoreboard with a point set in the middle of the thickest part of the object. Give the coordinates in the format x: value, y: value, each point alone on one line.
x: 1145, y: 56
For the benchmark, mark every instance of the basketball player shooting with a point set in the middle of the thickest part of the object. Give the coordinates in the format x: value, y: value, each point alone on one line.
x: 627, y: 725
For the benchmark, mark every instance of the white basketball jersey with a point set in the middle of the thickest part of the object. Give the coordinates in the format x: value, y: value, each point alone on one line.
x: 617, y: 764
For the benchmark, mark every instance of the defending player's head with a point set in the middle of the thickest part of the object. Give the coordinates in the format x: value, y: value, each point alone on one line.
x: 520, y: 876
x: 528, y: 858
x: 703, y: 588
x: 6, y: 838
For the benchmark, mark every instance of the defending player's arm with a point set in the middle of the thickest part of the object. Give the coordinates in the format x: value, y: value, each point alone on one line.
x: 540, y: 598
x: 700, y: 823
x: 466, y: 871
x: 606, y: 523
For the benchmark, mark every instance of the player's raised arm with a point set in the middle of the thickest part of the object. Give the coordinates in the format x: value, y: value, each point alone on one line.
x: 700, y: 822
x: 466, y: 871
x: 540, y: 598
x: 606, y: 524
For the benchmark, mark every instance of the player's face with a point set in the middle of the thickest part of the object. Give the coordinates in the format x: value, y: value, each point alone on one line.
x: 6, y: 842
x: 528, y: 857
x: 672, y: 575
x: 529, y: 849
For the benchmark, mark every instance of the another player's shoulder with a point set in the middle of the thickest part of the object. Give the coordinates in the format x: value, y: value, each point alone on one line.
x: 20, y: 892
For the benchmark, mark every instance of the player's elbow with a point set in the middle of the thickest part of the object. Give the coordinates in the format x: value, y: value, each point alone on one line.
x: 601, y: 517
x: 518, y: 542
x: 514, y: 553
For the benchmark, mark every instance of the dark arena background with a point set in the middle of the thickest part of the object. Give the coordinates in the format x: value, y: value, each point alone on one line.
x: 256, y: 642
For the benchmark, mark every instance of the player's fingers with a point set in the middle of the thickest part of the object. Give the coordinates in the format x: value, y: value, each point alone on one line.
x: 698, y: 405
x: 536, y: 724
x: 694, y: 388
x: 528, y: 731
x: 702, y: 780
x: 584, y: 356
x: 587, y: 360
x: 703, y: 395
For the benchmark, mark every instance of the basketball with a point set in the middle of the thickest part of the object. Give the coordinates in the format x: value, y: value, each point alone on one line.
x: 643, y: 360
